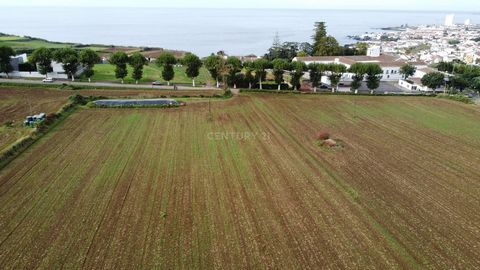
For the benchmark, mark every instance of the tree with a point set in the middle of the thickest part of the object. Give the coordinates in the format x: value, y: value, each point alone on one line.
x: 120, y: 61
x: 476, y: 83
x: 320, y: 33
x: 42, y: 57
x: 328, y: 46
x: 358, y: 70
x: 286, y: 50
x: 249, y: 69
x: 233, y: 66
x: 446, y: 67
x: 279, y: 67
x: 68, y: 57
x: 213, y: 63
x: 335, y: 73
x: 166, y: 60
x: 193, y: 64
x: 361, y: 48
x: 298, y: 69
x: 408, y: 70
x: 5, y: 54
x: 374, y: 74
x: 137, y: 61
x: 459, y: 82
x: 88, y: 58
x: 433, y: 80
x: 316, y: 73
x: 260, y: 65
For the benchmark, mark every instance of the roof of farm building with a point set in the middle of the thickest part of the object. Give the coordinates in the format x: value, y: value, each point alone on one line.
x: 383, y: 60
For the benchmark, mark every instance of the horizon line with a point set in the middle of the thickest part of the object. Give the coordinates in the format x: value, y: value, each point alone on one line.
x: 253, y: 8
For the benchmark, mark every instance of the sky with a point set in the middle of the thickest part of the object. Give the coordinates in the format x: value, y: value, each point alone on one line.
x: 433, y: 5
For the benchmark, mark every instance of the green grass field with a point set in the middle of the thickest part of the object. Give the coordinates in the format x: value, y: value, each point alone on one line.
x: 106, y: 72
x: 20, y: 43
x: 244, y: 184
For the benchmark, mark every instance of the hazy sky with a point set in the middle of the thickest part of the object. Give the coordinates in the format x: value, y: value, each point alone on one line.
x: 444, y: 5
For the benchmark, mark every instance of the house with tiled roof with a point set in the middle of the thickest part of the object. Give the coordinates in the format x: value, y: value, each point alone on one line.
x: 390, y: 64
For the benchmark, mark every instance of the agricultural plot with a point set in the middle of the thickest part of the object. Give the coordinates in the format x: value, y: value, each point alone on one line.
x: 243, y: 184
x: 17, y: 103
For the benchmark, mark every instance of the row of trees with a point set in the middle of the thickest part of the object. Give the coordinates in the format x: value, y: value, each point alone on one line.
x: 460, y: 75
x: 230, y: 71
x: 166, y: 61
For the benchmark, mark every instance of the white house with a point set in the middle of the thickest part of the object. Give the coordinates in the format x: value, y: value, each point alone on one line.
x: 57, y: 70
x: 390, y: 64
x: 413, y: 85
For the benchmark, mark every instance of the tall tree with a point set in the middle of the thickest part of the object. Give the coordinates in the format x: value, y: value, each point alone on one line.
x: 167, y: 61
x: 433, y: 80
x: 234, y: 66
x: 320, y: 33
x: 260, y: 66
x: 88, y: 58
x: 298, y: 70
x: 249, y: 69
x: 193, y: 64
x: 42, y: 57
x: 335, y: 73
x: 358, y: 70
x: 316, y: 74
x: 407, y: 71
x: 279, y: 67
x: 323, y: 44
x: 120, y: 61
x: 374, y: 74
x: 68, y: 57
x: 5, y: 54
x: 212, y: 64
x: 137, y: 61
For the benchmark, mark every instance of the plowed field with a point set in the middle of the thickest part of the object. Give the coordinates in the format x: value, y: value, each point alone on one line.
x: 247, y: 187
x: 18, y: 103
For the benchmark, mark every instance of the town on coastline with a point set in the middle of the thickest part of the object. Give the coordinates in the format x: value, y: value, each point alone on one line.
x: 402, y: 60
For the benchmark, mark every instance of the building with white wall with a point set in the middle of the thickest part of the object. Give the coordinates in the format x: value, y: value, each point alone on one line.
x: 449, y: 20
x: 57, y: 70
x: 390, y: 64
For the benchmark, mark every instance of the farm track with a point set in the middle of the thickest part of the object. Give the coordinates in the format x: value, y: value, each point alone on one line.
x: 133, y: 189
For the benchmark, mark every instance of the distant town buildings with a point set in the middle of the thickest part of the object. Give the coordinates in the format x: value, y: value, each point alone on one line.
x: 430, y: 43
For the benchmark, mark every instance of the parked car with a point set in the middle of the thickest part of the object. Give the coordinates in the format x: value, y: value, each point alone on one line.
x: 157, y: 83
x: 48, y: 80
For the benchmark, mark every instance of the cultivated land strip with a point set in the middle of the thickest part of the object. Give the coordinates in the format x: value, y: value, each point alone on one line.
x: 247, y: 187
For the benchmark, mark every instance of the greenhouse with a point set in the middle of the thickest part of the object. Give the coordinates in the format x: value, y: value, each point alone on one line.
x: 136, y: 102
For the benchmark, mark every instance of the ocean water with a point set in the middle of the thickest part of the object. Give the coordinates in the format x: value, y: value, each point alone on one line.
x: 202, y: 31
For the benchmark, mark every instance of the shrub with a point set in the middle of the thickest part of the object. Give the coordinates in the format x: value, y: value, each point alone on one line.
x: 460, y: 98
x: 323, y: 135
x: 228, y: 93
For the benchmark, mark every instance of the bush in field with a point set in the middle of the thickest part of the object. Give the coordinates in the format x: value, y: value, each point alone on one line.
x: 323, y: 135
x: 227, y: 93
